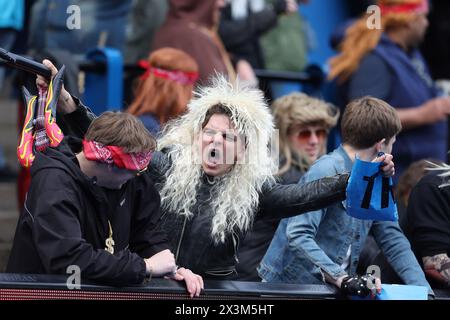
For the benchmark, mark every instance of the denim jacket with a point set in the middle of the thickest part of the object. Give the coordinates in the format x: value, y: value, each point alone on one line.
x: 307, y: 246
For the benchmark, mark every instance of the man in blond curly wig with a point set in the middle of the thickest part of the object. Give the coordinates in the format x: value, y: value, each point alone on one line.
x: 385, y: 63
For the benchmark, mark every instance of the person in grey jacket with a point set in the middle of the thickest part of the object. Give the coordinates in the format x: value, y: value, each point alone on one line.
x: 214, y: 173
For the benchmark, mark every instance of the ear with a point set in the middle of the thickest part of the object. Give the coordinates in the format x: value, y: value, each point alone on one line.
x: 379, y: 145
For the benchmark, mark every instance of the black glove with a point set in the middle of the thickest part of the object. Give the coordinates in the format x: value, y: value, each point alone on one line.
x: 360, y: 286
x: 280, y: 7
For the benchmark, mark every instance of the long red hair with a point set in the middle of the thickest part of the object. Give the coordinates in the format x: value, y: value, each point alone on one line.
x: 164, y: 98
x: 360, y: 40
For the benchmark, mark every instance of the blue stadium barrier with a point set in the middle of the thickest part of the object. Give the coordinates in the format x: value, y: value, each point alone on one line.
x: 104, y: 89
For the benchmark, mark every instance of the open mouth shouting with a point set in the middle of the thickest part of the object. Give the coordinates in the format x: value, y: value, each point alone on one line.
x: 214, y: 157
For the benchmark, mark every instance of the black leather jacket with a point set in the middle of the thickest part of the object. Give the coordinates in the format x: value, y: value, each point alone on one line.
x: 190, y: 239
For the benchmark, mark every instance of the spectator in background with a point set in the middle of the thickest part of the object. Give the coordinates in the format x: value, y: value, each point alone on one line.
x: 285, y: 48
x: 11, y: 21
x: 165, y: 89
x: 406, y: 183
x: 65, y: 30
x: 242, y: 23
x: 429, y: 217
x: 191, y: 26
x: 385, y: 63
x: 145, y: 17
x: 102, y: 23
x: 436, y: 45
x: 303, y: 123
x: 358, y: 7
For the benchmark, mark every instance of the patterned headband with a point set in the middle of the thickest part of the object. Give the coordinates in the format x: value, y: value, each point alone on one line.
x: 177, y: 76
x: 95, y: 151
x: 420, y: 7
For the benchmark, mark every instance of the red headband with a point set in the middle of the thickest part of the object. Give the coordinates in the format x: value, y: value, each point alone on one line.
x: 111, y: 154
x: 177, y: 76
x: 420, y: 7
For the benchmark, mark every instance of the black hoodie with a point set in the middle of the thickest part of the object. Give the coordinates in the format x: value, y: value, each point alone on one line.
x: 65, y: 222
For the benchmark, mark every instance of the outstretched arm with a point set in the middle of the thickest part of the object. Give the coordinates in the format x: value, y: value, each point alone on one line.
x: 282, y: 201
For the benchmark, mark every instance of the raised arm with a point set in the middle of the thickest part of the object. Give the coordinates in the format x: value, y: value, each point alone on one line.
x: 72, y: 116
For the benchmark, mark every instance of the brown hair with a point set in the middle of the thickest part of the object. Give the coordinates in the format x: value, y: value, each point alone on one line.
x: 299, y: 109
x: 368, y: 120
x: 359, y: 39
x: 216, y: 109
x: 123, y: 130
x: 164, y: 98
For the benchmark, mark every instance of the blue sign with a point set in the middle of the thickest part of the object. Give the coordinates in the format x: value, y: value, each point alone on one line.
x: 369, y: 194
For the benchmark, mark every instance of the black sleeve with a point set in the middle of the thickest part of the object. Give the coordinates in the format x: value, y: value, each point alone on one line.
x: 238, y: 32
x: 76, y: 123
x: 372, y: 78
x: 282, y: 201
x: 147, y: 238
x: 58, y: 237
x: 429, y: 216
x: 159, y: 165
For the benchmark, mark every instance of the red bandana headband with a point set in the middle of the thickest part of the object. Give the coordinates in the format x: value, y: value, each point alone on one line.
x: 177, y: 76
x: 111, y: 154
x: 420, y: 7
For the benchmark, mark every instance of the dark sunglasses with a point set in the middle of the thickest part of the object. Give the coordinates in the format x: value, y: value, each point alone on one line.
x: 305, y: 135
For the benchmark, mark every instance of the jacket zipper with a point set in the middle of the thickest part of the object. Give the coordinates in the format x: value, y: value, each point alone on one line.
x: 236, y: 245
x: 181, y: 238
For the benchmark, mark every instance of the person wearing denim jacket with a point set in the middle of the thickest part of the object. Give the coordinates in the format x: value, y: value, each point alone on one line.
x: 325, y: 245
